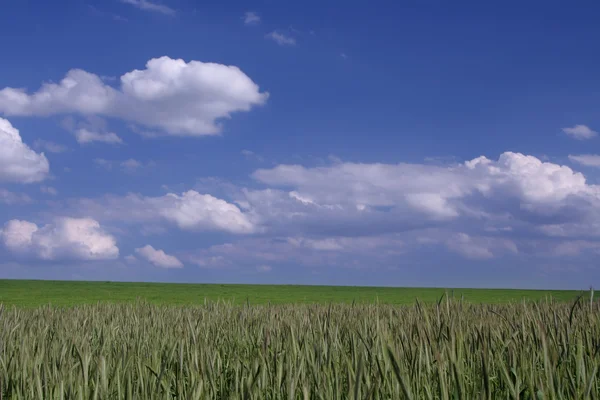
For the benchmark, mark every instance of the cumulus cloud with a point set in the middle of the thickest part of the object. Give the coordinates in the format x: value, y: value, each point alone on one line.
x: 281, y: 38
x: 435, y: 192
x: 18, y: 162
x: 589, y: 160
x: 171, y: 95
x: 251, y: 18
x: 191, y: 211
x: 147, y: 5
x: 158, y: 257
x: 580, y: 132
x: 486, y: 207
x: 66, y: 238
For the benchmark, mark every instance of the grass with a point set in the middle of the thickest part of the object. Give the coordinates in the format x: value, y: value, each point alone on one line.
x: 68, y: 293
x: 444, y: 350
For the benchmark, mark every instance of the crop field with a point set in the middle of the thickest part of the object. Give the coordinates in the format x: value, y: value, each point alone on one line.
x: 279, y: 342
x: 445, y: 350
x: 69, y: 293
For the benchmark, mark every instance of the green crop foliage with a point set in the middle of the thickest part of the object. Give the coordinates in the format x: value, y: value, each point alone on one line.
x: 449, y: 349
x: 70, y: 293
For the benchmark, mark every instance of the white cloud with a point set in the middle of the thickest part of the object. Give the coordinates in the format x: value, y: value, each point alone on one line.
x: 147, y: 5
x: 84, y: 136
x: 191, y: 211
x: 70, y: 238
x: 589, y: 160
x: 264, y: 268
x: 158, y: 257
x: 479, y: 248
x: 580, y: 132
x: 18, y: 162
x: 483, y: 207
x: 50, y: 147
x: 8, y: 197
x: 251, y: 18
x: 281, y: 38
x: 130, y: 165
x: 195, y: 211
x: 437, y: 192
x: 177, y: 97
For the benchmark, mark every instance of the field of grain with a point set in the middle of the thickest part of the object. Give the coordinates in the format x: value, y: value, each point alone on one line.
x: 449, y: 349
x: 69, y: 293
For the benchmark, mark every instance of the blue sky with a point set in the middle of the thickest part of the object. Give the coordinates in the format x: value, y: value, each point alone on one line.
x: 417, y: 143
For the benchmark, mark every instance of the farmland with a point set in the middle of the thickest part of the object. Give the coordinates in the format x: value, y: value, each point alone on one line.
x: 448, y: 350
x: 101, y: 340
x: 69, y: 293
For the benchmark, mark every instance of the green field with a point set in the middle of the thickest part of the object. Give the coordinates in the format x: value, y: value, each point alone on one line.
x: 67, y: 293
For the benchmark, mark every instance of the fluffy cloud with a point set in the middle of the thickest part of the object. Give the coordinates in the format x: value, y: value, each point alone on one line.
x: 589, y: 160
x: 580, y: 132
x: 515, y: 183
x: 281, y: 38
x: 158, y: 257
x: 70, y: 238
x: 191, y: 211
x: 178, y: 97
x: 480, y: 209
x: 18, y: 162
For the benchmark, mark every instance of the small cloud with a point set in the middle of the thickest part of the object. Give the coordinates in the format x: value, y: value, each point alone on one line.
x: 589, y: 160
x: 7, y: 197
x: 147, y: 5
x: 264, y: 268
x: 344, y: 56
x: 85, y: 136
x: 158, y: 257
x: 131, y: 259
x: 580, y: 132
x: 131, y: 164
x: 250, y: 155
x: 50, y: 147
x: 49, y: 190
x: 94, y: 129
x: 251, y: 18
x: 281, y: 39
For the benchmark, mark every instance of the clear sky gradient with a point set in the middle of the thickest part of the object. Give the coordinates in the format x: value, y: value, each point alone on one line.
x: 412, y: 143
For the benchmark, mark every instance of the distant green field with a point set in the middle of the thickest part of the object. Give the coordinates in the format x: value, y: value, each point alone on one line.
x: 67, y: 293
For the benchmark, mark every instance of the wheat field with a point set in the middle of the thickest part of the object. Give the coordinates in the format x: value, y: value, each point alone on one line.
x: 445, y: 350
